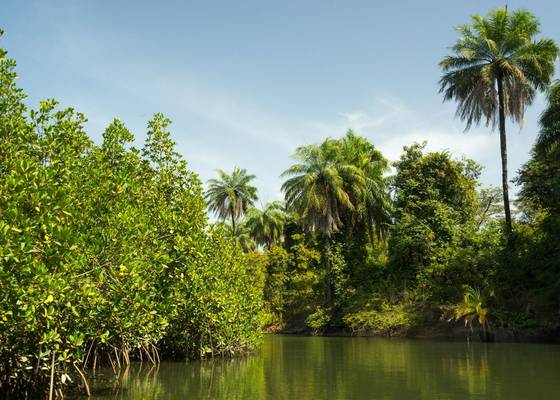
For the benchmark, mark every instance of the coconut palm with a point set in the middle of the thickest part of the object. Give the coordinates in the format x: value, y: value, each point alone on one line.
x: 266, y: 226
x: 319, y: 189
x: 230, y: 196
x: 494, y: 72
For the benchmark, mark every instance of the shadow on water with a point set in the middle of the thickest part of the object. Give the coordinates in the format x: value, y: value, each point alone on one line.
x: 303, y: 368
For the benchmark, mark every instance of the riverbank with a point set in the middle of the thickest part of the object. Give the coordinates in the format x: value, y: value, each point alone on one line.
x: 439, y: 331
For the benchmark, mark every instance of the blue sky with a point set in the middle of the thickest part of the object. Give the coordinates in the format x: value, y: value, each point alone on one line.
x: 245, y: 82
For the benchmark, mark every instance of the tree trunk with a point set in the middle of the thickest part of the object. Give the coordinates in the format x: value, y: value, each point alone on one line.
x: 232, y: 222
x: 503, y: 152
x: 328, y: 273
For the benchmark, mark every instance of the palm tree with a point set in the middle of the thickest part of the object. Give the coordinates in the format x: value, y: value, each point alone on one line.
x: 266, y: 226
x: 494, y: 72
x: 229, y: 196
x: 470, y: 310
x: 319, y: 190
x: 374, y: 203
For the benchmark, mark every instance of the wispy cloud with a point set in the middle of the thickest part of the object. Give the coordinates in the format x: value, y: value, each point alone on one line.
x: 236, y: 130
x: 391, y: 123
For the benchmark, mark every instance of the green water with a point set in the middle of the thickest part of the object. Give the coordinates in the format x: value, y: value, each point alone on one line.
x: 301, y: 368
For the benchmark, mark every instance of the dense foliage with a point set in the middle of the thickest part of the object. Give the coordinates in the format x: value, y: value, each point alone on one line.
x: 445, y: 254
x: 106, y: 252
x: 538, y: 254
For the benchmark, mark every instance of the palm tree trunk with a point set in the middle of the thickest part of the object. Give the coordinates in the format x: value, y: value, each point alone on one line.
x: 503, y: 152
x: 328, y: 273
x: 232, y: 222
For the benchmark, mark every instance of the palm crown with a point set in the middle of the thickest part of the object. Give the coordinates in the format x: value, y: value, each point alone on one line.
x: 230, y: 196
x: 318, y: 187
x: 500, y: 47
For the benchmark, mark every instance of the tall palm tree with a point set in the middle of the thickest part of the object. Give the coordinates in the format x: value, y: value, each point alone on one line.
x: 319, y: 189
x: 494, y: 72
x: 229, y: 196
x: 266, y: 226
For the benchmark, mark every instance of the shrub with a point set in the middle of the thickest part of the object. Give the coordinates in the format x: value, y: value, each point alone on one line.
x: 318, y: 320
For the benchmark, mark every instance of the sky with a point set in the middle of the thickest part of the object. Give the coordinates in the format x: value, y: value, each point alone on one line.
x: 246, y: 82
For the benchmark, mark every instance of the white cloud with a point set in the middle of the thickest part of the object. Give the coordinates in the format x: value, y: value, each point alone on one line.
x: 459, y: 144
x: 238, y: 131
x: 399, y: 124
x: 390, y: 124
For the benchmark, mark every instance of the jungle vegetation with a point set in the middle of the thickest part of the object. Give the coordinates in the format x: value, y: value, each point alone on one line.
x: 369, y: 246
x: 107, y: 252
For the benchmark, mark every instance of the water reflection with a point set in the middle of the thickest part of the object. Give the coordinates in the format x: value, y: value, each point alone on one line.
x: 306, y: 368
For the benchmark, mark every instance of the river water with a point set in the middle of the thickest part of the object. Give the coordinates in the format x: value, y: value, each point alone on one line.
x: 305, y: 368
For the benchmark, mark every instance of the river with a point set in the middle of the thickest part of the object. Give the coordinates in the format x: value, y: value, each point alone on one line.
x: 305, y: 368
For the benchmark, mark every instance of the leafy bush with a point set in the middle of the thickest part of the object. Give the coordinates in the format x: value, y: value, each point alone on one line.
x: 106, y: 252
x: 318, y: 320
x: 389, y: 319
